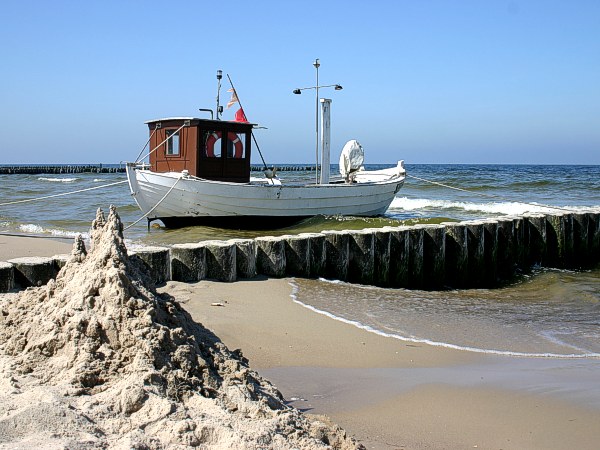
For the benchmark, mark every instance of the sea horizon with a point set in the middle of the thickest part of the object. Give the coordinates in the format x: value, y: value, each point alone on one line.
x: 258, y: 163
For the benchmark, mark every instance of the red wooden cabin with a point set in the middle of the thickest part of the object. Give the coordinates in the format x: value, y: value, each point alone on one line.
x: 210, y: 149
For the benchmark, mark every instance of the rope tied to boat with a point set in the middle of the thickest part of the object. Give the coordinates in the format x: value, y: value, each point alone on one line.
x: 62, y: 194
x: 155, y: 206
x: 137, y: 159
x: 481, y: 194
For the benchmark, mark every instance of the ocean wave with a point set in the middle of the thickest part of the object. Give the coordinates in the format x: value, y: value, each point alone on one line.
x: 504, y: 208
x: 58, y: 180
x: 534, y: 184
x: 33, y: 228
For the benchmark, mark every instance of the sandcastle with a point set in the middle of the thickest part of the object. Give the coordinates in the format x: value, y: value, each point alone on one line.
x: 97, y: 359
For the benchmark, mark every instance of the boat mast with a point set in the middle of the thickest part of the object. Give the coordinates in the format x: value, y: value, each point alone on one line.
x: 219, y: 108
x: 316, y: 64
x: 337, y: 87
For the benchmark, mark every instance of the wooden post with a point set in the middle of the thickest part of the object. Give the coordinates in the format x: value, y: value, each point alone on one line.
x: 415, y: 257
x: 270, y: 256
x: 361, y: 257
x: 188, y: 262
x: 399, y: 256
x: 457, y: 255
x: 434, y: 256
x: 33, y: 270
x: 245, y: 257
x: 316, y: 253
x: 337, y: 254
x: 490, y: 250
x: 220, y: 260
x: 506, y: 261
x: 536, y: 237
x: 297, y: 255
x: 381, y: 256
x: 476, y: 249
x: 7, y: 277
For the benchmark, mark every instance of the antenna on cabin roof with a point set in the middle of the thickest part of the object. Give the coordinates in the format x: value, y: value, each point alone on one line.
x: 219, y: 108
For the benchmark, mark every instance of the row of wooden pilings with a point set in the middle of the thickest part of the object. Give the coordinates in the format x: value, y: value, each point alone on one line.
x: 472, y: 254
x: 38, y: 169
x: 284, y: 168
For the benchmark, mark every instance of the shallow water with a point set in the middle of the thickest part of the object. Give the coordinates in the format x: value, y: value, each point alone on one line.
x: 548, y: 314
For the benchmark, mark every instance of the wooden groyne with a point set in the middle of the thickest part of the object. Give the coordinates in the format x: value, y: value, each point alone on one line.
x: 53, y: 169
x: 293, y: 168
x: 471, y: 254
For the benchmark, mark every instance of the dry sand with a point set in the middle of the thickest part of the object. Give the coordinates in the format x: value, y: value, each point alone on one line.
x: 12, y: 246
x: 387, y: 393
x: 98, y: 359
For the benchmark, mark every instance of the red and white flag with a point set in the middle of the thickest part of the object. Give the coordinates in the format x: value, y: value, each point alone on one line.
x: 234, y: 98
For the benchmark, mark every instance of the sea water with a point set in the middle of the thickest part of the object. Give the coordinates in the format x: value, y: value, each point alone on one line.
x: 548, y: 313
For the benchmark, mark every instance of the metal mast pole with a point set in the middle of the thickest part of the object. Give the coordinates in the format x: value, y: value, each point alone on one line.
x: 219, y: 76
x: 316, y: 64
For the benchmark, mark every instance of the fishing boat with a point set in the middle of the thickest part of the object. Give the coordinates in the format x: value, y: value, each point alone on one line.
x: 199, y: 172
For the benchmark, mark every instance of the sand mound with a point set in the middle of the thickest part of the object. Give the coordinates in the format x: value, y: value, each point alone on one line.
x: 97, y: 359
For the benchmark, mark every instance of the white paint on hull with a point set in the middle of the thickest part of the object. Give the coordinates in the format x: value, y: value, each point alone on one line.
x: 195, y: 197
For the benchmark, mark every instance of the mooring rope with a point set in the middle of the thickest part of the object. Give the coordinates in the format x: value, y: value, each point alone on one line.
x: 158, y: 146
x: 489, y: 195
x: 147, y: 142
x: 155, y: 206
x: 62, y: 194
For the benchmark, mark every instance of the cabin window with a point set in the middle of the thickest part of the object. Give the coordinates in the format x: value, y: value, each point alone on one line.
x: 172, y: 143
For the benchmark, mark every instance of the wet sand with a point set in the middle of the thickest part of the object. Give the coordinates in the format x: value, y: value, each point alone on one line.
x: 392, y: 394
x: 388, y: 393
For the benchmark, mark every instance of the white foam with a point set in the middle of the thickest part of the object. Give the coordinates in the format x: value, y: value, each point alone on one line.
x: 68, y: 233
x: 33, y: 228
x: 417, y: 340
x: 507, y: 208
x: 58, y: 180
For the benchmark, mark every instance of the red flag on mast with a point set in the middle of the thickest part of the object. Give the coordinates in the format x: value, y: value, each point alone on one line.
x: 240, y: 116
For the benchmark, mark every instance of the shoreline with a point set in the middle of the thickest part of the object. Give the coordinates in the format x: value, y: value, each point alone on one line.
x: 387, y: 393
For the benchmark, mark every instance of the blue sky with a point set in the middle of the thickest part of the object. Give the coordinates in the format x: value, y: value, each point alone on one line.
x: 429, y: 81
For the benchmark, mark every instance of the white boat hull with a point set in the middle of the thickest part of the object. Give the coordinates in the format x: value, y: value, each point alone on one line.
x: 176, y: 198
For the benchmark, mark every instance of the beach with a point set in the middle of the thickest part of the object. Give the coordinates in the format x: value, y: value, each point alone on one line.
x: 385, y: 392
x: 352, y: 375
x: 13, y: 246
